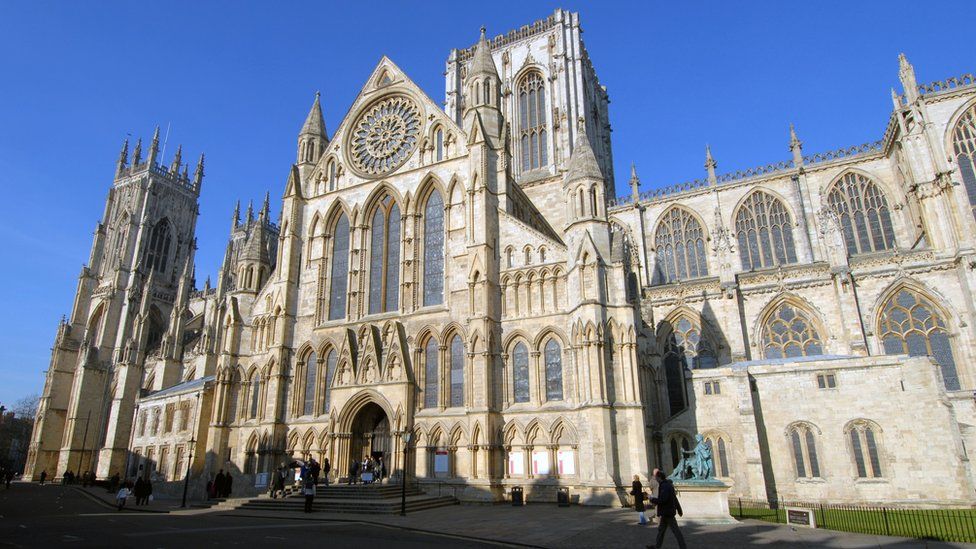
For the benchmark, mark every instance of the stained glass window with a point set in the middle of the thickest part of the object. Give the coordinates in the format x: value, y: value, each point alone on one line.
x: 964, y: 146
x: 384, y: 259
x: 911, y: 324
x: 340, y: 269
x: 804, y: 446
x: 255, y: 394
x: 330, y: 367
x: 554, y: 371
x: 789, y: 333
x: 457, y: 372
x: 431, y: 374
x: 158, y: 250
x: 311, y: 370
x: 439, y: 138
x: 864, y: 215
x: 680, y: 244
x: 684, y: 348
x: 765, y: 232
x: 532, y: 121
x: 434, y: 250
x: 520, y: 370
x: 720, y: 458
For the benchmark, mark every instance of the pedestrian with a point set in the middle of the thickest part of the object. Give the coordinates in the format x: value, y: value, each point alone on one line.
x: 308, y: 489
x: 121, y: 496
x: 139, y: 489
x: 149, y: 495
x: 315, y: 469
x: 637, y: 490
x: 113, y: 483
x: 326, y: 468
x: 353, y: 471
x: 43, y: 477
x: 278, y: 482
x: 228, y: 484
x: 219, y: 483
x: 667, y: 505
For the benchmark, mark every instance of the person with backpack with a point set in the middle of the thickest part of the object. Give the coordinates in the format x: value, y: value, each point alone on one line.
x: 667, y: 506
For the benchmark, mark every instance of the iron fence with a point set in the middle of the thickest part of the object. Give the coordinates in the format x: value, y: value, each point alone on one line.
x: 933, y: 524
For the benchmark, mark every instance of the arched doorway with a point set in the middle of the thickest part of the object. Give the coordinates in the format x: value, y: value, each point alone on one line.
x: 371, y: 434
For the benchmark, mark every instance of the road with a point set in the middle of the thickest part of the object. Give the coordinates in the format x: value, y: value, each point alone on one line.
x: 56, y: 516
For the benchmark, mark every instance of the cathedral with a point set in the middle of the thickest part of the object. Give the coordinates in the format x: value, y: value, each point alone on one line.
x: 461, y: 289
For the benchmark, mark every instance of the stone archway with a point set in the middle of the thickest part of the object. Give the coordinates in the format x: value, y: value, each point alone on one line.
x: 370, y: 434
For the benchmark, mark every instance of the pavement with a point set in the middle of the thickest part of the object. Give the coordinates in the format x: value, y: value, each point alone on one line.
x: 34, y: 516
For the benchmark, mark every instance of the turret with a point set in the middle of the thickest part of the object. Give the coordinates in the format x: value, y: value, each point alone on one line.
x: 482, y: 92
x: 584, y: 182
x: 313, y: 139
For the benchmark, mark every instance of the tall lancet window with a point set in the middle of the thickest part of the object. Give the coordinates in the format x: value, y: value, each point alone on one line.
x: 680, y: 244
x: 255, y: 394
x: 434, y: 250
x: 964, y: 146
x: 864, y: 215
x: 765, y: 232
x: 457, y: 371
x: 158, y: 251
x: 431, y: 374
x: 384, y: 259
x: 311, y: 371
x: 330, y: 367
x: 520, y: 372
x: 532, y: 121
x: 340, y: 269
x: 554, y: 371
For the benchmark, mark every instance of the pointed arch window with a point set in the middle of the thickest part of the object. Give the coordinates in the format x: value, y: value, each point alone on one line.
x: 720, y: 453
x: 532, y: 121
x: 789, y: 333
x: 864, y: 449
x: 911, y: 324
x: 684, y: 349
x: 340, y: 269
x: 439, y: 144
x: 678, y: 443
x: 311, y: 373
x: 431, y: 374
x: 804, y: 446
x: 765, y: 232
x: 434, y: 250
x: 864, y: 215
x: 333, y: 177
x: 158, y: 250
x: 520, y: 372
x: 457, y: 371
x: 255, y: 395
x: 554, y: 370
x: 680, y: 245
x: 384, y: 259
x: 330, y: 368
x: 964, y: 147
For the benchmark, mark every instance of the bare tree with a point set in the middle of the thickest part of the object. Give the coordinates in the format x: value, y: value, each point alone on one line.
x: 27, y: 407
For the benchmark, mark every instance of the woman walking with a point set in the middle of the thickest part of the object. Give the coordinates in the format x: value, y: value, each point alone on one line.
x: 637, y: 490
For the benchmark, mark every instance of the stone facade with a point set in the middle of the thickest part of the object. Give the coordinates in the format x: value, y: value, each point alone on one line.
x: 469, y: 276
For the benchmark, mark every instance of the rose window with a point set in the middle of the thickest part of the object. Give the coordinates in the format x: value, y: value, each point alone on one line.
x: 384, y: 135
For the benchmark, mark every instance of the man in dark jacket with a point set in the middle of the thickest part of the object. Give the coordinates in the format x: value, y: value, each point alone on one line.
x: 667, y: 505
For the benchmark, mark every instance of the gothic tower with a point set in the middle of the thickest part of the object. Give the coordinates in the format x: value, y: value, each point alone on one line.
x: 140, y: 264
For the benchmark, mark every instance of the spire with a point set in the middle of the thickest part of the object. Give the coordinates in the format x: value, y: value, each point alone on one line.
x: 123, y: 157
x: 710, y: 166
x: 481, y: 61
x: 137, y: 155
x: 236, y: 220
x: 634, y: 182
x: 314, y: 122
x: 198, y: 174
x: 265, y: 207
x: 250, y: 211
x: 177, y: 159
x: 906, y: 73
x: 796, y: 147
x: 582, y: 163
x: 154, y: 148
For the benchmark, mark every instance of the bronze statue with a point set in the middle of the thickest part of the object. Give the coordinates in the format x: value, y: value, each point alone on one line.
x: 695, y: 464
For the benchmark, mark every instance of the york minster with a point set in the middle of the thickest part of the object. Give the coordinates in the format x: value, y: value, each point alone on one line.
x: 467, y: 271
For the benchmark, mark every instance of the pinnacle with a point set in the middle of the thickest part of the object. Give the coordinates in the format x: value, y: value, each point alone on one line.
x: 314, y: 122
x: 481, y: 62
x: 582, y: 163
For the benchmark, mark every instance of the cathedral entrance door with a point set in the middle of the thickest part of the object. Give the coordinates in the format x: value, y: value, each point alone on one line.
x: 371, y: 435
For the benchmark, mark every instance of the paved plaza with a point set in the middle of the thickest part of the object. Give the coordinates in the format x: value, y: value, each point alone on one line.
x: 36, y: 516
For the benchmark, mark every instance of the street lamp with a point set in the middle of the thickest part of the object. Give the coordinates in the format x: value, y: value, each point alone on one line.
x: 403, y: 474
x: 186, y: 479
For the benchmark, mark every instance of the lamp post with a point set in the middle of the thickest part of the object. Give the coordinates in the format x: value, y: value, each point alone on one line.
x: 186, y: 479
x: 403, y: 474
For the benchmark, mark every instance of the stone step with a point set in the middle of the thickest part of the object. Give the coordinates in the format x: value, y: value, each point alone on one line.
x: 418, y: 503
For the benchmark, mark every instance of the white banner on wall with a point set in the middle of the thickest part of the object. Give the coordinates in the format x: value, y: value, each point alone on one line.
x: 516, y: 463
x: 540, y: 463
x: 566, y: 462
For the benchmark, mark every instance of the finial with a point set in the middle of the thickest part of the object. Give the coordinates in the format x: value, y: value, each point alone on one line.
x: 154, y: 147
x: 186, y: 171
x: 906, y: 73
x: 250, y: 211
x: 710, y: 166
x: 796, y: 147
x: 266, y: 206
x: 123, y: 156
x: 317, y: 94
x: 237, y: 215
x: 483, y: 30
x: 137, y: 154
x: 634, y: 182
x: 198, y: 174
x: 177, y: 159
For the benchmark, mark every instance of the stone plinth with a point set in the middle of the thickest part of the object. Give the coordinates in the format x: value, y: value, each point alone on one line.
x: 705, y: 502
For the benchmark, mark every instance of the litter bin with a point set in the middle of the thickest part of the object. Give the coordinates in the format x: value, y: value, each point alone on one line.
x: 562, y: 496
x: 517, y: 497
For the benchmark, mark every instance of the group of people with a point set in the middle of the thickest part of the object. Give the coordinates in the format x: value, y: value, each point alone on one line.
x: 142, y: 490
x: 220, y: 486
x: 368, y: 471
x: 665, y: 499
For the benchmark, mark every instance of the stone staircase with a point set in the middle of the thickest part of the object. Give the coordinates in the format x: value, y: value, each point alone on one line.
x: 343, y: 498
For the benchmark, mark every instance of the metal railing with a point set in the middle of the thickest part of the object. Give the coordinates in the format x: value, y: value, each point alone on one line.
x: 934, y: 524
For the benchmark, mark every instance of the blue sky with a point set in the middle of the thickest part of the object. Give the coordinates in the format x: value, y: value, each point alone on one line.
x: 236, y: 79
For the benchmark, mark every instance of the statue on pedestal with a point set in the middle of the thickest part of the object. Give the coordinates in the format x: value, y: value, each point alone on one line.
x: 695, y: 464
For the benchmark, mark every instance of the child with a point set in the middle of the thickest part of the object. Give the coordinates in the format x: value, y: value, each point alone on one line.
x: 122, y: 495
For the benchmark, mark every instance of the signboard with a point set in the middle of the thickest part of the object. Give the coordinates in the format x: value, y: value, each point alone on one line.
x: 440, y: 461
x: 516, y: 463
x: 801, y: 517
x: 566, y: 462
x: 260, y: 479
x: 540, y: 463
